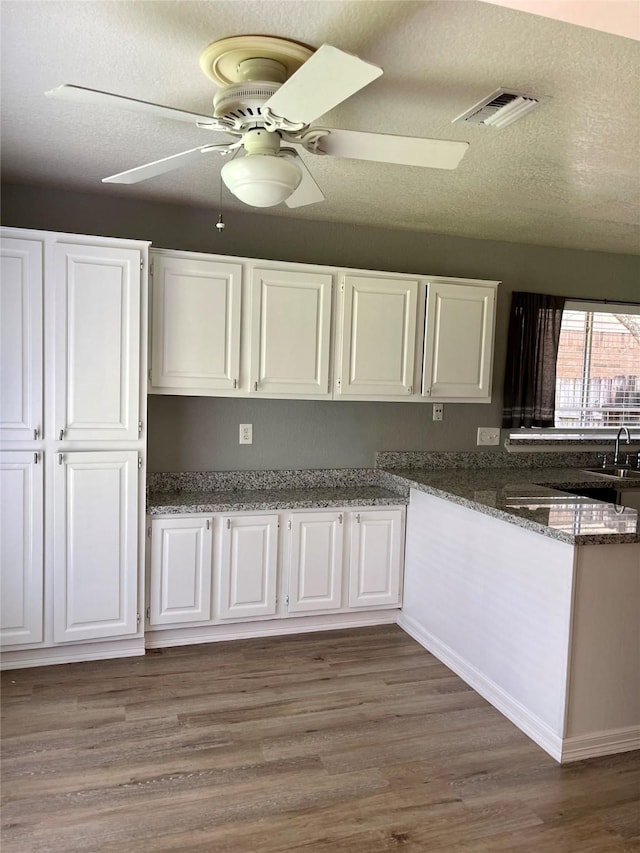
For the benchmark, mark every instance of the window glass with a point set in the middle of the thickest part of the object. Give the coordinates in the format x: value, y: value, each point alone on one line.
x: 598, y: 369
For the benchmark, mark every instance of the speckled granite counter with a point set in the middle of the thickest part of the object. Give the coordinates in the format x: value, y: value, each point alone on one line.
x: 253, y: 500
x: 523, y: 491
x: 530, y: 498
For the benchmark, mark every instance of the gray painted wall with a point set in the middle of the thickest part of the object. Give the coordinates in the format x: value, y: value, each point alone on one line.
x: 201, y: 433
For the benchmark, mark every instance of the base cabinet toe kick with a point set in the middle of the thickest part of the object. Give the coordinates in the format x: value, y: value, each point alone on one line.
x: 227, y: 575
x: 546, y: 631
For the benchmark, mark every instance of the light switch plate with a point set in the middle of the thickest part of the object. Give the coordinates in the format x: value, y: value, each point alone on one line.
x: 488, y: 435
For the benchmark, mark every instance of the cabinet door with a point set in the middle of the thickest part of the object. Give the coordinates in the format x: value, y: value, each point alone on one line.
x: 97, y: 351
x: 95, y: 572
x: 195, y: 333
x: 458, y: 352
x: 315, y: 571
x: 20, y: 339
x: 375, y: 570
x: 21, y: 544
x: 290, y: 332
x: 378, y: 337
x: 247, y: 570
x: 180, y: 581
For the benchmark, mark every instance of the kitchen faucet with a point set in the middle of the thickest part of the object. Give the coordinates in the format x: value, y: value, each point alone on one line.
x: 617, y: 444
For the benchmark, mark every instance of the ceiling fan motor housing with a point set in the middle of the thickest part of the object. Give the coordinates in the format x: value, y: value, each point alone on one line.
x: 242, y: 103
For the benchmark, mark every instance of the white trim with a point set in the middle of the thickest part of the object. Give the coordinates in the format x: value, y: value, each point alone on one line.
x: 520, y: 716
x: 23, y: 658
x: 600, y: 743
x: 267, y: 628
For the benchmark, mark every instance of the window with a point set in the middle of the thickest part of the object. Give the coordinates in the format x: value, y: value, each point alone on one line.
x: 598, y: 367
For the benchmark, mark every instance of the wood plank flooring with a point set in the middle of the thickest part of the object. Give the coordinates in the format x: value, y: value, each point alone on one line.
x: 352, y: 741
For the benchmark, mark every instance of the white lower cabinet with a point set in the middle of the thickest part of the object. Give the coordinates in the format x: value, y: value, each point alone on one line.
x: 227, y: 569
x: 95, y: 576
x: 180, y: 578
x: 316, y: 561
x: 21, y: 548
x: 377, y: 544
x: 248, y: 566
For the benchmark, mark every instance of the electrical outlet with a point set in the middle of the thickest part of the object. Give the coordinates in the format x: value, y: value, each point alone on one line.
x: 246, y: 433
x: 488, y: 435
x: 438, y: 411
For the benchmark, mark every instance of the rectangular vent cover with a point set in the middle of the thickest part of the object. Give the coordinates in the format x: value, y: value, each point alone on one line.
x: 499, y: 109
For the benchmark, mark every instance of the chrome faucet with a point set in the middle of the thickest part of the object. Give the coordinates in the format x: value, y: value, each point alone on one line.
x: 616, y: 454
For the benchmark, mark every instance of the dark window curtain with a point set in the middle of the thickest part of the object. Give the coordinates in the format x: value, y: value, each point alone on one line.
x: 532, y: 353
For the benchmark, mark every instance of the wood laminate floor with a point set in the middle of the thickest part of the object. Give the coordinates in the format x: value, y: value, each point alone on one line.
x: 352, y: 741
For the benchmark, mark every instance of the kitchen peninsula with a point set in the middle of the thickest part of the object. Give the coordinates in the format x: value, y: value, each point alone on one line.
x: 529, y: 593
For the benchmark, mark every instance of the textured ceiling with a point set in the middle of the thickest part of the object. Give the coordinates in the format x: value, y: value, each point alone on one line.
x: 566, y: 175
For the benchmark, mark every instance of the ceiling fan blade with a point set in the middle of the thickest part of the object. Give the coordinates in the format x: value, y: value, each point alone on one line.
x: 69, y: 92
x: 386, y: 148
x: 327, y: 78
x: 308, y: 192
x: 159, y: 167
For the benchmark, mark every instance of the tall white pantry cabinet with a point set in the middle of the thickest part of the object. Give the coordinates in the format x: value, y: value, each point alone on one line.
x: 73, y: 320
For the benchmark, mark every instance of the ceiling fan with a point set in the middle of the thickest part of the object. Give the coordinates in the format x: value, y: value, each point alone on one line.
x: 272, y: 90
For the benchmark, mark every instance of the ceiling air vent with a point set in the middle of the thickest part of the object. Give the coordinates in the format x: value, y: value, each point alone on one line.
x: 499, y: 109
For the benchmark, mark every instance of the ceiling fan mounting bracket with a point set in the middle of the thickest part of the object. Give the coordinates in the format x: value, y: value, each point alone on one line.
x: 224, y: 61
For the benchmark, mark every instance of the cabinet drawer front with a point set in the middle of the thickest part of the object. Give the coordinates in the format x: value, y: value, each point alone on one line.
x: 180, y: 583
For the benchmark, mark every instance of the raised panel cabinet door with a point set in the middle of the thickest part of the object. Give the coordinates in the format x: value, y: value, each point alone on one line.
x: 247, y: 571
x: 180, y: 581
x: 315, y: 572
x: 20, y: 339
x: 21, y: 548
x: 290, y: 334
x: 95, y: 571
x: 195, y: 333
x: 97, y: 348
x: 378, y: 337
x: 375, y: 571
x: 458, y: 353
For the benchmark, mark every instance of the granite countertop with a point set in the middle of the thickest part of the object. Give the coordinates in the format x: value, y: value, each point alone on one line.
x: 533, y: 499
x: 285, y: 497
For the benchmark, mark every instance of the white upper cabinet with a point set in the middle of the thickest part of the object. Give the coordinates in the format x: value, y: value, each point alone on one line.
x: 21, y: 548
x: 378, y: 340
x: 195, y: 332
x: 316, y: 558
x: 290, y: 332
x: 459, y: 333
x: 21, y: 292
x: 97, y: 334
x: 95, y: 571
x: 180, y: 576
x: 247, y: 566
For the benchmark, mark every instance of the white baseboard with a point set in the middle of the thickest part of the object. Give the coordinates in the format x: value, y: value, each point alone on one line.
x: 594, y: 744
x: 266, y: 628
x: 26, y: 658
x: 513, y: 710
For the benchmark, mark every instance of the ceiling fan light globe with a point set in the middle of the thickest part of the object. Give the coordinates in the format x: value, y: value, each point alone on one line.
x: 261, y: 180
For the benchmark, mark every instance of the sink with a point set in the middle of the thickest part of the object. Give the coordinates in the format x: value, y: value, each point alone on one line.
x: 618, y: 473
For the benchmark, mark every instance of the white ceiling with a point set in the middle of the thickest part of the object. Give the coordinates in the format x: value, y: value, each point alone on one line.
x: 566, y: 175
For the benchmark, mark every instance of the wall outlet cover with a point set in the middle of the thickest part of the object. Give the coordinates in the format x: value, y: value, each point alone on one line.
x: 438, y: 411
x: 488, y: 436
x: 246, y: 433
